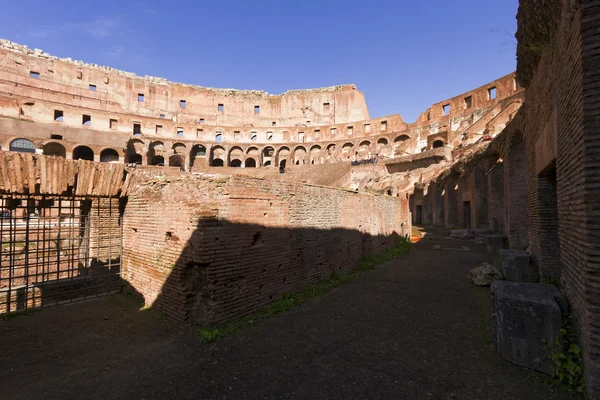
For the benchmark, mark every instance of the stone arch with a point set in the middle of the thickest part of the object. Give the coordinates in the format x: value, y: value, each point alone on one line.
x: 156, y: 154
x: 83, y: 153
x: 282, y: 155
x: 217, y: 156
x: 331, y: 148
x: 198, y: 151
x: 54, y: 149
x: 437, y: 143
x: 252, y: 151
x: 135, y: 150
x: 22, y: 145
x: 236, y: 163
x: 382, y: 141
x: 109, y: 155
x: 364, y: 148
x: 179, y: 148
x: 267, y: 156
x: 250, y: 163
x: 235, y: 153
x: 299, y: 157
x: 314, y: 154
x: 400, y: 144
x: 347, y: 151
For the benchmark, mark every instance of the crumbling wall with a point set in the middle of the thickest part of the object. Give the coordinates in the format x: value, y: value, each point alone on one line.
x: 210, y: 248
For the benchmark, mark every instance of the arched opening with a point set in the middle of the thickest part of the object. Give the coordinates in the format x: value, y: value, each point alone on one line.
x: 282, y: 155
x: 438, y: 143
x: 347, y: 151
x: 268, y: 151
x: 156, y: 155
x: 198, y: 151
x: 250, y: 163
x: 135, y: 149
x: 267, y: 163
x: 282, y: 163
x: 217, y: 162
x: 109, y: 155
x: 54, y: 149
x: 382, y: 141
x: 22, y: 146
x: 176, y: 160
x: 83, y: 153
x: 158, y: 161
x: 217, y: 156
x: 400, y: 146
x: 314, y: 154
x: 299, y: 156
x: 235, y: 163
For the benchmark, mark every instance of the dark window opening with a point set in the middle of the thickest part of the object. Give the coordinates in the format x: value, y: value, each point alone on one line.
x: 220, y: 107
x: 468, y: 102
x: 256, y: 109
x: 273, y: 123
x: 79, y: 75
x: 83, y: 153
x: 86, y: 120
x: 141, y: 97
x: 161, y: 116
x: 446, y: 109
x: 217, y: 162
x: 179, y: 131
x: 182, y: 103
x: 56, y: 137
x: 112, y: 123
x: 438, y: 143
x: 325, y: 107
x: 34, y: 74
x: 201, y: 120
x: 92, y: 87
x: 159, y: 129
x: 22, y: 146
x: 218, y: 138
x: 58, y: 115
x: 492, y: 93
x: 109, y: 155
x: 137, y: 129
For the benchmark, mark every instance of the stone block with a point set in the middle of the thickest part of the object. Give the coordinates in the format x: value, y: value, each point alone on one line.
x: 517, y: 267
x: 494, y: 243
x: 484, y: 275
x: 480, y: 235
x: 525, y: 314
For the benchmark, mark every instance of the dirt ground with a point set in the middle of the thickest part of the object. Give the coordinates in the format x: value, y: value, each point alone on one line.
x: 414, y: 328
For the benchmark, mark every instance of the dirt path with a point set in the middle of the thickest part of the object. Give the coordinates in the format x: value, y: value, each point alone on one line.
x: 414, y: 328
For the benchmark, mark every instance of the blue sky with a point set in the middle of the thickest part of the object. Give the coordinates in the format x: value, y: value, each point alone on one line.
x: 404, y: 55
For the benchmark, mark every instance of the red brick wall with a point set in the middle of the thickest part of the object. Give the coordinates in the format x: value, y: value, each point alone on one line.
x: 206, y: 249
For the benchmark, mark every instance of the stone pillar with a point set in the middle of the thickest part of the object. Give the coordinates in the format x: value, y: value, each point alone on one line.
x: 515, y: 193
x: 495, y: 198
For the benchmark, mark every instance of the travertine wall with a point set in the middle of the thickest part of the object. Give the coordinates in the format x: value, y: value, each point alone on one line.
x: 209, y: 248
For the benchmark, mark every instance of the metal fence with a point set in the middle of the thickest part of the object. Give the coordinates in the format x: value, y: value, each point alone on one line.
x: 57, y: 249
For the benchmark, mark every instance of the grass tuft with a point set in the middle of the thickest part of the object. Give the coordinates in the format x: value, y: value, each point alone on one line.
x: 291, y: 300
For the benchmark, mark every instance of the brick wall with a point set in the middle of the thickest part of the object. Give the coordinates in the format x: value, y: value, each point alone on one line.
x: 210, y: 248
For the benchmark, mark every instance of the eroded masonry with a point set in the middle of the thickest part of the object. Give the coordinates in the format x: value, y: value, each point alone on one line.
x: 211, y: 203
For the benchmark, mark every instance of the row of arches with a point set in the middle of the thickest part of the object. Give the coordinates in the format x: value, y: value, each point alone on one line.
x: 56, y: 149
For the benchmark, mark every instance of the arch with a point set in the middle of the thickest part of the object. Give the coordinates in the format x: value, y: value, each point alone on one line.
x: 235, y: 163
x: 437, y: 143
x: 54, y: 149
x: 267, y: 163
x: 250, y: 163
x: 83, y: 153
x: 382, y: 141
x: 156, y: 154
x: 176, y: 160
x: 330, y: 148
x: 179, y: 148
x: 109, y: 155
x: 22, y: 146
x: 282, y: 155
x: 299, y: 157
x: 314, y: 154
x: 199, y: 151
x: 347, y: 151
x: 364, y: 143
x: 252, y: 150
x: 135, y: 149
x: 282, y: 163
x: 268, y: 151
x: 401, y: 138
x: 217, y: 162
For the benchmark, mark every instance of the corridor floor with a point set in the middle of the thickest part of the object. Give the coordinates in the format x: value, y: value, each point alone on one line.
x: 414, y: 328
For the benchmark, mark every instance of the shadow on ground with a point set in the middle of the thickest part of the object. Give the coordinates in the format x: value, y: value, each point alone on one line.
x: 414, y: 328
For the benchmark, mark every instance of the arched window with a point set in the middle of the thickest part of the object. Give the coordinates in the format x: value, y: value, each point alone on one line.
x: 267, y: 164
x: 54, y: 149
x: 250, y: 163
x: 217, y: 162
x: 22, y: 146
x: 83, y: 153
x: 438, y: 143
x: 109, y: 155
x: 235, y: 163
x: 218, y: 138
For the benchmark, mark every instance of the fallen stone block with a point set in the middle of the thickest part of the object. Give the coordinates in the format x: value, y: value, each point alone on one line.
x: 480, y: 235
x: 494, y: 243
x: 524, y: 315
x: 484, y: 275
x: 517, y: 267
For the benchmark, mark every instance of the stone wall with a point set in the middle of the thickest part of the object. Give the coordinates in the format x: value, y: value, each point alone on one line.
x: 209, y: 248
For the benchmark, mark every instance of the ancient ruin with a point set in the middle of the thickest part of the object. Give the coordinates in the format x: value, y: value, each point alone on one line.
x: 211, y: 203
